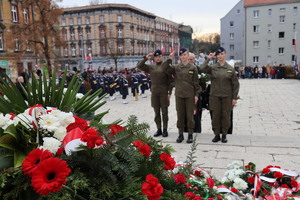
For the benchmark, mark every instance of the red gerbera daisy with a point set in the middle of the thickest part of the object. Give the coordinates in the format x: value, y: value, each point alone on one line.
x: 50, y: 175
x: 33, y: 159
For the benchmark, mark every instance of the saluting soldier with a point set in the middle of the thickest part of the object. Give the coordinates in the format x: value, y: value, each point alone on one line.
x: 187, y: 92
x: 161, y: 90
x: 223, y: 93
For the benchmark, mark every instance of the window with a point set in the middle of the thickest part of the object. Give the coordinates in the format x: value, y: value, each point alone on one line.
x: 120, y: 33
x: 282, y: 19
x: 17, y: 44
x: 231, y: 47
x: 14, y: 13
x: 269, y: 28
x: 79, y: 21
x: 281, y: 50
x: 71, y: 21
x: 73, y: 51
x: 238, y: 11
x: 72, y: 35
x: 1, y: 42
x: 65, y: 51
x: 103, y: 49
x: 120, y: 48
x: 231, y: 57
x: 294, y: 26
x: 80, y: 50
x: 270, y: 12
x: 102, y: 34
x: 87, y: 20
x: 294, y: 58
x: 25, y: 15
x: 293, y: 42
x: 295, y: 10
x: 89, y: 49
x: 269, y: 43
x: 231, y: 35
x: 256, y: 29
x: 28, y: 49
x: 281, y: 34
x: 255, y: 59
x: 88, y: 34
x: 255, y: 44
x: 256, y: 14
x: 101, y: 19
x: 282, y: 9
x: 119, y: 18
x: 231, y: 23
x: 63, y: 22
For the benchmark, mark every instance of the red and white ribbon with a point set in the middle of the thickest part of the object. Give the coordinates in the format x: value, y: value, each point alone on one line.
x: 73, y: 140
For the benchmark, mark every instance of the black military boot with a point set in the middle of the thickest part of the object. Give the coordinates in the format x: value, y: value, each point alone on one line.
x: 165, y: 133
x: 224, y: 139
x: 180, y: 138
x: 190, y: 139
x: 217, y: 138
x: 158, y: 133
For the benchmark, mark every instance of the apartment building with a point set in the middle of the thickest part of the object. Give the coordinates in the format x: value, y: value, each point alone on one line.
x: 232, y: 32
x: 11, y: 63
x: 111, y: 34
x: 271, y: 29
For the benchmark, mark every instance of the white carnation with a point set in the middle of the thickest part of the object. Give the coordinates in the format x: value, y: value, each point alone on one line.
x: 49, y: 122
x: 51, y: 144
x: 240, y: 184
x: 60, y: 133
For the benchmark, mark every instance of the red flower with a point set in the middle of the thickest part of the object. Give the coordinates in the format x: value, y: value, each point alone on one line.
x: 152, y: 188
x: 49, y: 176
x: 247, y: 166
x: 285, y: 186
x: 59, y: 151
x: 169, y: 161
x: 210, y: 183
x: 195, y: 188
x: 266, y: 170
x: 179, y: 178
x: 144, y: 149
x: 92, y: 138
x: 198, y: 173
x: 80, y: 123
x: 278, y: 175
x: 115, y: 128
x: 188, y: 185
x: 251, y: 179
x: 33, y: 159
x: 233, y: 189
x: 294, y: 183
x: 190, y: 195
x: 197, y: 198
x: 265, y: 192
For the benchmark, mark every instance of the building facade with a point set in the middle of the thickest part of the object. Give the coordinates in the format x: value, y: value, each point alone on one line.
x: 11, y: 60
x: 185, y: 33
x: 271, y: 29
x: 110, y: 35
x: 232, y: 32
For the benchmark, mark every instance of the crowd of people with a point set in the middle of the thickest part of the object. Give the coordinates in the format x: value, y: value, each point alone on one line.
x: 255, y: 72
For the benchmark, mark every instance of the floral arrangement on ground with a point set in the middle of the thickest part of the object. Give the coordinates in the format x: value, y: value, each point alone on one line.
x: 49, y: 152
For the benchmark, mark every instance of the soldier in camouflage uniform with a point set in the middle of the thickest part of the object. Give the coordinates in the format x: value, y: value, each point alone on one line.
x: 223, y: 93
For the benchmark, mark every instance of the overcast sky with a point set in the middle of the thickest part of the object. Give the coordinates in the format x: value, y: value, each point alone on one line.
x: 203, y: 15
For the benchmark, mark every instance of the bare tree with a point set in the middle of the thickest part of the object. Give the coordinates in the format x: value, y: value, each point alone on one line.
x: 41, y: 32
x: 97, y: 2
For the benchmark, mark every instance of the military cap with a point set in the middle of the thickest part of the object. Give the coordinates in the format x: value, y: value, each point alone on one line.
x: 220, y: 50
x: 157, y: 53
x: 182, y: 50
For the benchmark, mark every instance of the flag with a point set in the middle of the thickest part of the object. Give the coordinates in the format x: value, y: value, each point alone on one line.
x: 90, y: 57
x: 162, y: 47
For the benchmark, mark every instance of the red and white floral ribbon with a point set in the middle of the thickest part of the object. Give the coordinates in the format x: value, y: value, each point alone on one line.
x: 73, y: 140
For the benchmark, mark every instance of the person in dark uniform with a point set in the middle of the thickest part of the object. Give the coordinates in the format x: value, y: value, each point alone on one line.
x: 187, y: 92
x: 143, y: 81
x: 123, y: 83
x: 223, y: 92
x: 21, y: 85
x: 111, y: 85
x: 134, y: 85
x: 161, y: 90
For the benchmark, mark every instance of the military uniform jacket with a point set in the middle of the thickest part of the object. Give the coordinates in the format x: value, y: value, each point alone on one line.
x: 224, y: 82
x: 186, y: 79
x: 161, y: 82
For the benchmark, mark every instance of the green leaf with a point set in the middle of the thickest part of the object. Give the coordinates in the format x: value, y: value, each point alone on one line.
x: 8, y: 141
x: 5, y: 161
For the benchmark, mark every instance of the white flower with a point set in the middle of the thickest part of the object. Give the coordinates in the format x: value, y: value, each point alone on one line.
x: 60, y: 133
x: 5, y: 121
x: 240, y: 184
x: 79, y: 95
x: 49, y: 122
x: 51, y: 144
